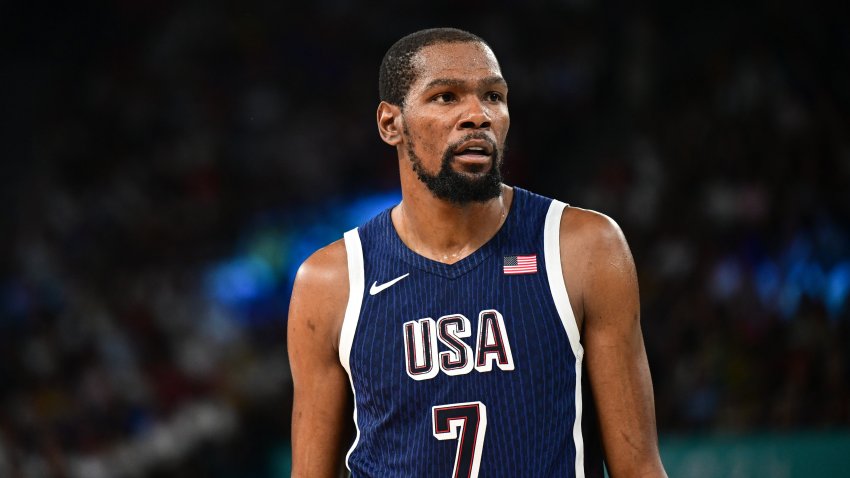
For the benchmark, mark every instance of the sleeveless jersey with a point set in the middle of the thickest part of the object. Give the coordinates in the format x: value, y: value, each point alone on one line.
x: 469, y: 369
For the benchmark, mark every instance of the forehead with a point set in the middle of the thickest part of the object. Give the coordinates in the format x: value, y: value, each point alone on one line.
x: 461, y: 61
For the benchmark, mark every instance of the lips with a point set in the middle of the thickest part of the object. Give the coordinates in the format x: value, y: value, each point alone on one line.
x: 477, y: 147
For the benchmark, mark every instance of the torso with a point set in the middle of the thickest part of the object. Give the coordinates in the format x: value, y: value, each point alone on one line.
x: 424, y: 342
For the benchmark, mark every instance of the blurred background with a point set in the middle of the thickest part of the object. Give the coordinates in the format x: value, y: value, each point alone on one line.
x: 166, y: 166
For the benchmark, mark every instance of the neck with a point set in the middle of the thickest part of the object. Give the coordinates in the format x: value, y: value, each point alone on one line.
x: 444, y: 231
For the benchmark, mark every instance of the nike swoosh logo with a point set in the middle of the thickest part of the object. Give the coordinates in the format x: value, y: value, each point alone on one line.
x: 378, y: 288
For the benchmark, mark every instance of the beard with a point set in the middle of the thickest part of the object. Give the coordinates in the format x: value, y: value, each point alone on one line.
x: 459, y: 188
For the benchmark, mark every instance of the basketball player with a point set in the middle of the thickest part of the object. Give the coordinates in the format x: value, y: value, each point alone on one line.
x: 483, y: 330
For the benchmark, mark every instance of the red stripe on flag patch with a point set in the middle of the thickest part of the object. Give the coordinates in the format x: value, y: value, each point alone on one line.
x: 520, y: 264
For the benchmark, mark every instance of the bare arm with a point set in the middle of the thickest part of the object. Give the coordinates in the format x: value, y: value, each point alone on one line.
x: 598, y: 266
x: 321, y: 409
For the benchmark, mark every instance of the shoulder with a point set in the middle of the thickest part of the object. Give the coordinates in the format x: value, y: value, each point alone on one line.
x: 326, y: 266
x: 320, y: 292
x: 590, y: 231
x: 594, y: 258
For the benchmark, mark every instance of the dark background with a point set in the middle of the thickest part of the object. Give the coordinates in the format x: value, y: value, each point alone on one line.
x: 167, y: 165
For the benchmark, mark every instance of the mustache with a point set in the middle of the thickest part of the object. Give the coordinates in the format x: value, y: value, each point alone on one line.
x: 474, y: 136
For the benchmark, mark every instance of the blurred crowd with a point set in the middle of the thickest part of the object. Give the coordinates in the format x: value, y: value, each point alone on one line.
x: 168, y: 165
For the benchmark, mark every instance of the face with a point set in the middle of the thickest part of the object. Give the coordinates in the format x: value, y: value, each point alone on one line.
x: 455, y: 121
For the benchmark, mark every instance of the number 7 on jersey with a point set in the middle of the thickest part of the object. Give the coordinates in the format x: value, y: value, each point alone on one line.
x: 470, y: 419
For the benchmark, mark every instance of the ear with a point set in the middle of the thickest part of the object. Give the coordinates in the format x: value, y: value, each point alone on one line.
x: 389, y: 123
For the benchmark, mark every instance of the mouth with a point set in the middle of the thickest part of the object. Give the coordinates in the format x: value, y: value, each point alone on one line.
x: 475, y: 151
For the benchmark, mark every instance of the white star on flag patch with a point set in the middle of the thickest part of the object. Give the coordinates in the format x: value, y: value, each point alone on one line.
x: 520, y: 264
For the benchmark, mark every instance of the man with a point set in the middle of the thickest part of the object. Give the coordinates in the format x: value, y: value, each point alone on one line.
x: 449, y: 316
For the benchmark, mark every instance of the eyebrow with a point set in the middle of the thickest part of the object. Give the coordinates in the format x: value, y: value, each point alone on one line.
x: 490, y: 80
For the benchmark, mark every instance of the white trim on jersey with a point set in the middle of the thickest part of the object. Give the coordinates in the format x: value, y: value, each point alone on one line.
x: 356, y: 288
x: 552, y: 251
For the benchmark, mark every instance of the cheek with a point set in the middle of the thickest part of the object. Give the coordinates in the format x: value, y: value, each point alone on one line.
x: 429, y: 138
x: 503, y: 115
x: 504, y: 125
x: 435, y: 145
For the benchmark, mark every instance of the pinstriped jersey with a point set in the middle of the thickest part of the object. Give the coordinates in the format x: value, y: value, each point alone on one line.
x: 471, y: 369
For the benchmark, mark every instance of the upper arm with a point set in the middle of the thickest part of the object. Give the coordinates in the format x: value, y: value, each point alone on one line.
x: 599, y: 267
x: 321, y: 402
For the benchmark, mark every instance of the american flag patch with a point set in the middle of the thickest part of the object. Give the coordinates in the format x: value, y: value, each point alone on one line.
x: 520, y: 264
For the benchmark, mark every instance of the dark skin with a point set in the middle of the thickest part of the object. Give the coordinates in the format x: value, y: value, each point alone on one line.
x: 459, y: 89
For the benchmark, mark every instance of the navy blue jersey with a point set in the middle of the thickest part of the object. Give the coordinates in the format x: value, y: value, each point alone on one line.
x: 469, y: 369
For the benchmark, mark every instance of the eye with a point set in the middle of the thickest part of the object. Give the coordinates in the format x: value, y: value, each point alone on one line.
x: 444, y: 98
x: 494, y: 96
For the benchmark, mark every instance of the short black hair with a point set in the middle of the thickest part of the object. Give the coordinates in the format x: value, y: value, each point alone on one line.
x: 397, y: 72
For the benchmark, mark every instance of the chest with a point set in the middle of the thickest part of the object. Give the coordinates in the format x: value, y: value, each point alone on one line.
x: 419, y: 326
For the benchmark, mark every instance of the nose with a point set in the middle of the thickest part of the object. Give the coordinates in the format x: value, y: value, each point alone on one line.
x: 476, y: 117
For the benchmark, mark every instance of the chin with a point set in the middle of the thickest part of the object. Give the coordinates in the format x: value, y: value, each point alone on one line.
x: 472, y: 170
